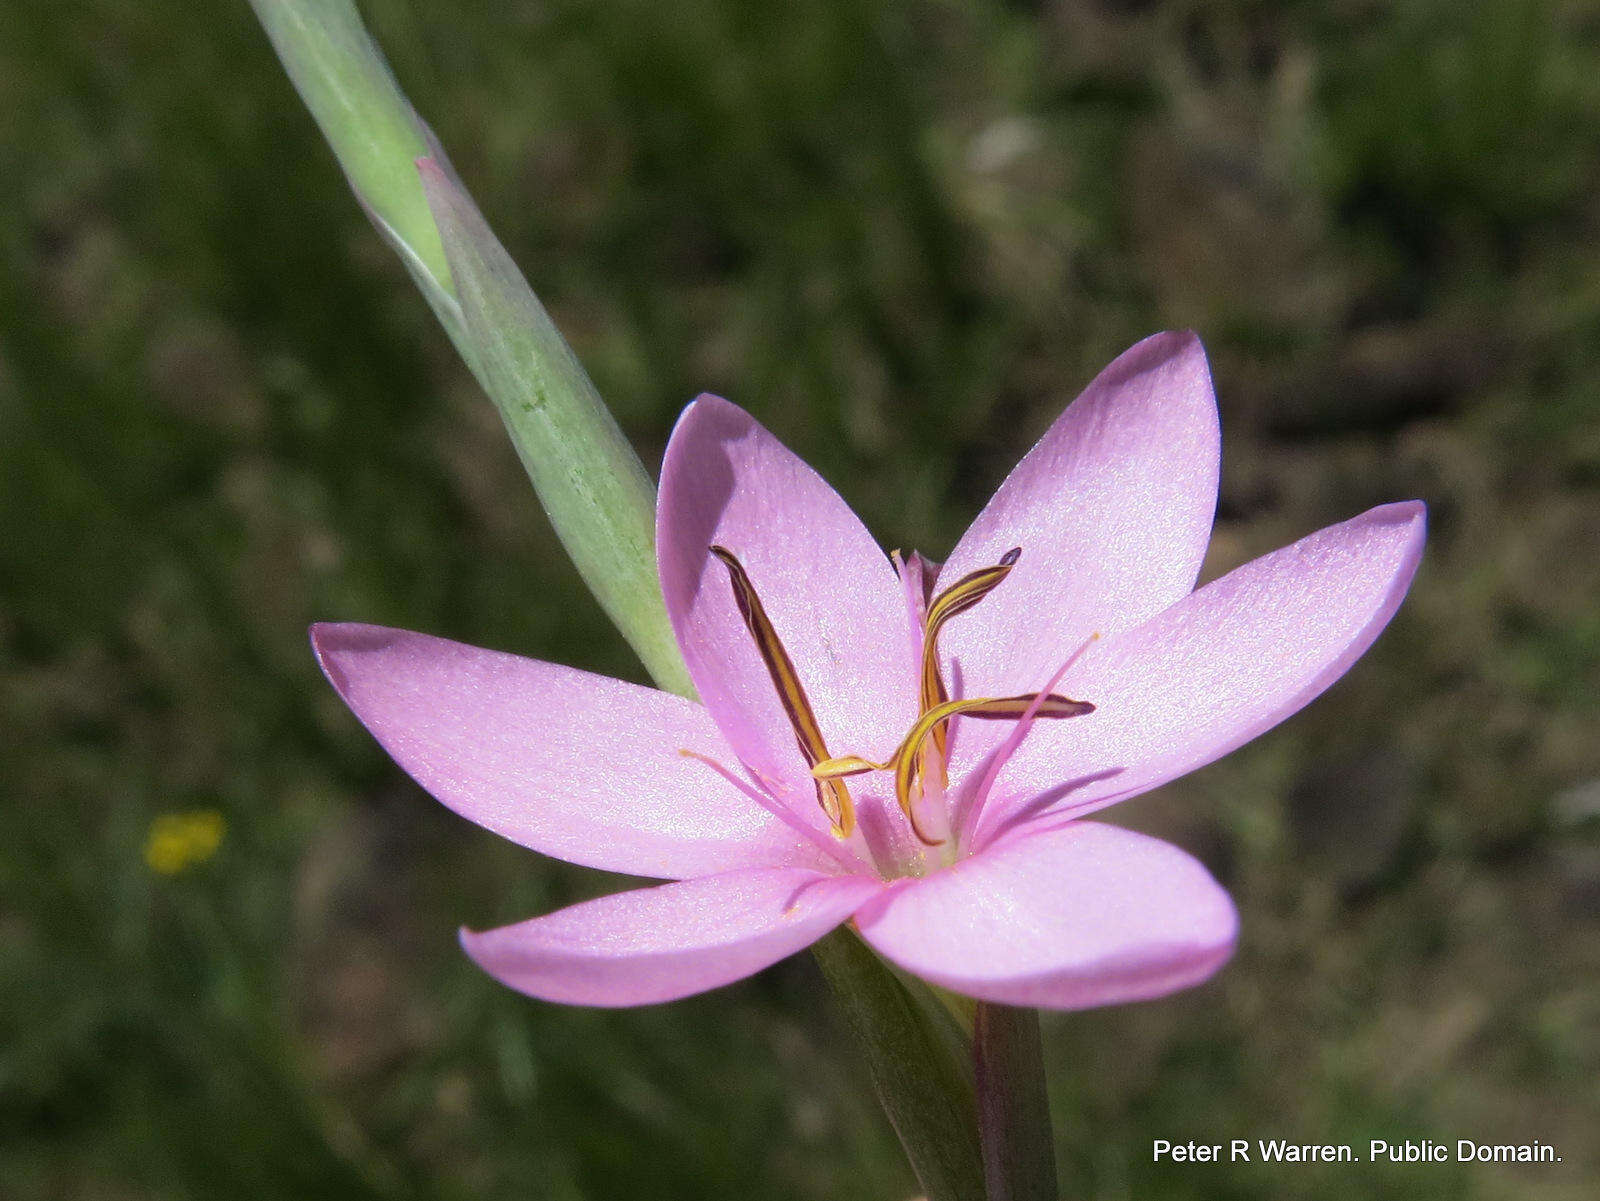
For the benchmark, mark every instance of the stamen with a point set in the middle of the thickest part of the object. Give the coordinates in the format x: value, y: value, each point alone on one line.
x: 952, y: 602
x: 845, y: 765
x: 832, y: 794
x: 926, y: 744
x: 907, y: 758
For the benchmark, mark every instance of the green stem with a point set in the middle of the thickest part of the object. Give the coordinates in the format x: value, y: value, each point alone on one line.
x: 1019, y: 1161
x: 922, y: 1086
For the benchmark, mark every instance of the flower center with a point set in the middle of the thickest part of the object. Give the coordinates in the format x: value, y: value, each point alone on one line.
x: 921, y: 754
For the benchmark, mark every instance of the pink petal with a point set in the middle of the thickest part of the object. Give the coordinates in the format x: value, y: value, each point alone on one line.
x: 831, y: 593
x: 1218, y: 668
x: 1083, y: 915
x: 1112, y: 510
x: 659, y: 944
x: 575, y: 765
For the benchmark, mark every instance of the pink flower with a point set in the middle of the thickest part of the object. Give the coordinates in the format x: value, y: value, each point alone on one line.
x: 961, y: 853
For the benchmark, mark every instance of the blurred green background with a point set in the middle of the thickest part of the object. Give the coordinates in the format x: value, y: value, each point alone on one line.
x: 904, y: 235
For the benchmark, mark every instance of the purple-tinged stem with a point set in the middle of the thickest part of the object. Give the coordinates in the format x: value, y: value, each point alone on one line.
x: 1019, y: 1160
x: 920, y: 1081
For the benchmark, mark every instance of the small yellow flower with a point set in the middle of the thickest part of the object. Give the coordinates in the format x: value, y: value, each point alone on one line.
x: 178, y: 841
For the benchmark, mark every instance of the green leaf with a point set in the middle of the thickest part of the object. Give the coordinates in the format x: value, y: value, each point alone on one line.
x: 374, y: 132
x: 594, y: 489
x: 598, y: 497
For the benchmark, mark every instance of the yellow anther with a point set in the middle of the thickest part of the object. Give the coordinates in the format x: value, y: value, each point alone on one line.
x: 845, y: 765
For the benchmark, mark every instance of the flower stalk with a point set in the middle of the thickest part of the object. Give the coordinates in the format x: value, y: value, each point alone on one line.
x: 923, y: 1088
x: 1019, y: 1161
